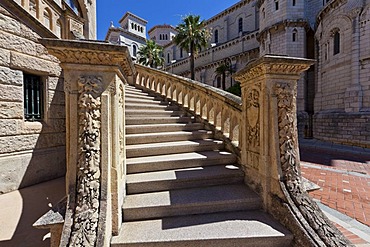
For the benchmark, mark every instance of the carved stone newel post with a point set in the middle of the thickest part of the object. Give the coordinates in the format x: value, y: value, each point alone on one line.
x: 270, y: 153
x: 95, y: 75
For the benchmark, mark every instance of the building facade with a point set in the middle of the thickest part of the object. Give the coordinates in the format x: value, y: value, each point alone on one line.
x: 130, y: 33
x: 333, y: 95
x: 162, y: 34
x: 32, y: 102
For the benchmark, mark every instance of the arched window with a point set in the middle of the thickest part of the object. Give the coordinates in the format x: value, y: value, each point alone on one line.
x: 135, y: 27
x: 276, y: 5
x: 293, y: 2
x: 166, y: 36
x: 336, y: 42
x: 216, y: 36
x: 74, y: 6
x: 240, y: 25
x: 294, y: 35
x: 132, y: 25
x: 168, y: 58
x: 218, y: 81
x: 134, y: 50
x: 181, y: 52
x: 58, y: 29
x: 47, y: 20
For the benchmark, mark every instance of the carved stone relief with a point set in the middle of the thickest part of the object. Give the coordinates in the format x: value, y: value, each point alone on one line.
x: 253, y: 118
x: 85, y: 219
x: 121, y: 124
x: 290, y: 167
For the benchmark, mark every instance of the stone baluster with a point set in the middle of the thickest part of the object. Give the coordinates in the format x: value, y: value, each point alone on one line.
x: 95, y: 75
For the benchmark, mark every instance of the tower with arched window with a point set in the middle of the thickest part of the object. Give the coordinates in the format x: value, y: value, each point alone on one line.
x: 131, y: 32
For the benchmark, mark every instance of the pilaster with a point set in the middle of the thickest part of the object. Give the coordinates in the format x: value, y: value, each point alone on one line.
x: 95, y: 75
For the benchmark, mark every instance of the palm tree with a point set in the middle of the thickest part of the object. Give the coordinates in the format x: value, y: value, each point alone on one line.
x: 192, y: 36
x: 151, y: 54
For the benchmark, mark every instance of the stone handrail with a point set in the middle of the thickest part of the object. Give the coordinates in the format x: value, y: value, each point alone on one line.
x: 219, y: 108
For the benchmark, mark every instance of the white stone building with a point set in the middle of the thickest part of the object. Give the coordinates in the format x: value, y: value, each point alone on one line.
x: 234, y: 41
x: 162, y: 34
x: 333, y: 98
x: 130, y: 33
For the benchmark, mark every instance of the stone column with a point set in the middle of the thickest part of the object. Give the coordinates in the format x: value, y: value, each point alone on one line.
x: 95, y: 75
x: 270, y: 153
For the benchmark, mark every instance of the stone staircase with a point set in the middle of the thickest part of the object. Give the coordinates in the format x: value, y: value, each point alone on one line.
x: 183, y: 188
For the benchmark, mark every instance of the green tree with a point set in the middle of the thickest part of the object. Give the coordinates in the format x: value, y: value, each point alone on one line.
x: 192, y: 36
x: 151, y: 54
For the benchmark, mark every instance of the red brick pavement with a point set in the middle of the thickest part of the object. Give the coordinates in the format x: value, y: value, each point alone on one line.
x: 344, y: 180
x: 345, y: 193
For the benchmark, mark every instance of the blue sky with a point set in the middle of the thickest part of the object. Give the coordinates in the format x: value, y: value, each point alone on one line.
x: 156, y: 12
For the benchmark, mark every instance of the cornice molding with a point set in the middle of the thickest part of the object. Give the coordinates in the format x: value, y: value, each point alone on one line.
x: 90, y: 53
x: 227, y: 11
x: 270, y: 64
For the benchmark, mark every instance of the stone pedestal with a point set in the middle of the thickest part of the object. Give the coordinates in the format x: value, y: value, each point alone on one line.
x: 95, y: 75
x: 269, y: 151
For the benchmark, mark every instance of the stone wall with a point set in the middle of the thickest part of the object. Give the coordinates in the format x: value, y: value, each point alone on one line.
x: 342, y: 94
x: 343, y: 128
x: 30, y: 152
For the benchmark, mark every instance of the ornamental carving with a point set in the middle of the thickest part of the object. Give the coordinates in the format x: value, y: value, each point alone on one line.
x: 85, y: 219
x: 253, y: 119
x: 91, y: 53
x: 270, y: 64
x: 121, y: 124
x: 290, y: 167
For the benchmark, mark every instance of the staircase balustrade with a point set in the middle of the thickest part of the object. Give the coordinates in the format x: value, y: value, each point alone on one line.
x: 221, y: 109
x: 261, y: 125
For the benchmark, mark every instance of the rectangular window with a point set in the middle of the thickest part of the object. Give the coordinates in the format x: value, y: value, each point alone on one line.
x: 293, y: 3
x: 276, y: 5
x: 33, y: 97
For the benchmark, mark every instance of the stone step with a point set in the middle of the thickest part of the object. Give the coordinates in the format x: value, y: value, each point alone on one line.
x: 150, y: 149
x: 129, y: 95
x: 168, y: 136
x: 179, y: 160
x: 137, y: 120
x: 183, y: 178
x: 146, y: 101
x: 227, y: 229
x: 169, y: 127
x: 132, y: 89
x: 135, y: 92
x: 140, y: 106
x: 144, y: 112
x: 220, y: 198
